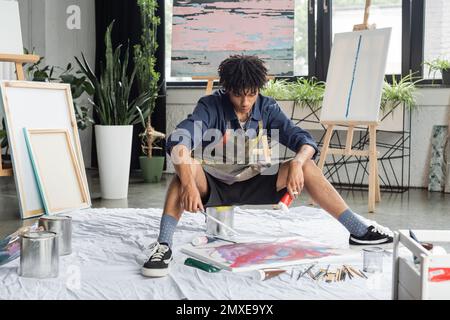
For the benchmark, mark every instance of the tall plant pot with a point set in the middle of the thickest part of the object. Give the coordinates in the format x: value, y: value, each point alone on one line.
x: 152, y: 168
x: 114, y: 157
x: 446, y: 77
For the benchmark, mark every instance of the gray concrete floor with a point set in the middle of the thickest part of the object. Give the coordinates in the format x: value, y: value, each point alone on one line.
x: 417, y: 208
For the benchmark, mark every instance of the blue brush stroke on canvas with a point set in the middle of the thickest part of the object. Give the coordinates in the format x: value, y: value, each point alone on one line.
x: 353, y: 77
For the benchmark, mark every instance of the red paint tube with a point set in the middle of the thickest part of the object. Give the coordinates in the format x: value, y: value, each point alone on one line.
x: 285, y: 202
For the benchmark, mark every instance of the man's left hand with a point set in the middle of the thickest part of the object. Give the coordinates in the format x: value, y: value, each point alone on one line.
x: 295, y: 180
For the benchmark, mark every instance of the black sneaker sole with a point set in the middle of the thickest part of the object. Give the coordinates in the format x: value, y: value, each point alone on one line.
x: 154, y: 273
x: 356, y: 242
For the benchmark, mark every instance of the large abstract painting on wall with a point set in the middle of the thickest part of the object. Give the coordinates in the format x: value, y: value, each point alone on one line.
x: 205, y: 32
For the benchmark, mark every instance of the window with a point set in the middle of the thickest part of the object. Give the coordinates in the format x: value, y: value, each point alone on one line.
x: 301, y: 38
x: 437, y: 33
x: 383, y: 13
x: 312, y: 34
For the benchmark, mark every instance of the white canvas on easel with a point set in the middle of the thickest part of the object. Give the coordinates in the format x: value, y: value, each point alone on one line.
x: 10, y: 35
x: 353, y: 96
x: 356, y: 76
x: 36, y: 105
x: 56, y: 169
x: 10, y: 30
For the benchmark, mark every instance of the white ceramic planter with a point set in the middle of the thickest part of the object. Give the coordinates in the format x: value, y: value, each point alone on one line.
x: 114, y: 159
x: 393, y: 121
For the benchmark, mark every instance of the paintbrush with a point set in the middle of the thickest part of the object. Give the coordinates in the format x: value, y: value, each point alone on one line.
x: 220, y: 222
x: 363, y: 274
x: 223, y: 239
x: 304, y: 272
x: 318, y: 274
x: 311, y: 274
x: 412, y: 235
x: 348, y: 272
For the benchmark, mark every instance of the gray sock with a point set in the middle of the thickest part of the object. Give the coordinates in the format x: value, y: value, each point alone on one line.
x: 167, y: 229
x: 353, y: 223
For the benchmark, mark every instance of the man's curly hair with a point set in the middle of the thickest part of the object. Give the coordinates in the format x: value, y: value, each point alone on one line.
x: 241, y: 74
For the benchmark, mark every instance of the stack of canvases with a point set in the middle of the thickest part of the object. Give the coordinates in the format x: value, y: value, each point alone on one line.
x: 45, y: 147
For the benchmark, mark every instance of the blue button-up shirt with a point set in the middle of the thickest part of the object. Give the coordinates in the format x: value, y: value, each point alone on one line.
x: 216, y: 111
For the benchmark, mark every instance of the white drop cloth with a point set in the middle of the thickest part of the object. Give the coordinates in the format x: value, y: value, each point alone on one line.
x: 109, y: 249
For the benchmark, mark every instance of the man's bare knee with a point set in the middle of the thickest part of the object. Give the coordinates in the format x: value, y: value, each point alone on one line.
x: 199, y: 177
x: 310, y: 169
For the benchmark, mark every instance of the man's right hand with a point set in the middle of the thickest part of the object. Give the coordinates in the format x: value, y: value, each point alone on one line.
x: 190, y: 198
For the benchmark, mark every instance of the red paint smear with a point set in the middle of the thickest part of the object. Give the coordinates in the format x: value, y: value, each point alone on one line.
x: 293, y: 250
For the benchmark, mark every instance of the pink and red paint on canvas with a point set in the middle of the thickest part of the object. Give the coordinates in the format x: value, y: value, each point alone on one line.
x: 262, y: 254
x: 205, y: 32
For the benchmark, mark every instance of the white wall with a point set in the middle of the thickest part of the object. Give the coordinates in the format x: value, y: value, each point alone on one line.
x: 62, y: 44
x: 44, y: 28
x: 433, y: 109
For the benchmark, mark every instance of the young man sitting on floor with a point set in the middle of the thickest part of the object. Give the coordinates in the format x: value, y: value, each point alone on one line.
x: 210, y: 172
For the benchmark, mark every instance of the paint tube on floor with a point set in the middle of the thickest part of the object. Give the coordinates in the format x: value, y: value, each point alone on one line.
x: 262, y: 275
x: 285, y: 202
x: 200, y: 241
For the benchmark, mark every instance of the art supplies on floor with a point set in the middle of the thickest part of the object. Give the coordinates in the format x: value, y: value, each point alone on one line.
x: 255, y: 255
x: 201, y: 265
x: 10, y: 246
x: 331, y: 274
x: 124, y: 234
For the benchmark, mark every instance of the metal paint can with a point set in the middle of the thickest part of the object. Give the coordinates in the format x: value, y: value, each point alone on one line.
x: 62, y: 226
x: 224, y: 215
x: 39, y: 255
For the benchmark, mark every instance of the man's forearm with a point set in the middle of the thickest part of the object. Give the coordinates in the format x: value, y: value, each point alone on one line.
x: 305, y: 153
x: 182, y: 161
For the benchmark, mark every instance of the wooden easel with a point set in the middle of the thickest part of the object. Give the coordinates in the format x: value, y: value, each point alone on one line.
x: 210, y: 85
x: 372, y: 154
x: 18, y: 60
x: 365, y: 25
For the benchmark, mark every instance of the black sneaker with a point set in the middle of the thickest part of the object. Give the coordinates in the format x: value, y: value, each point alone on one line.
x: 375, y: 235
x: 158, y: 263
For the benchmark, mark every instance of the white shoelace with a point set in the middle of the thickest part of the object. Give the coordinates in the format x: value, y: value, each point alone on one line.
x: 380, y: 229
x: 159, y: 253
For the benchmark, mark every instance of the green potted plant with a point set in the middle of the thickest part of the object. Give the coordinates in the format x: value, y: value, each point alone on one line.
x: 148, y: 80
x: 300, y: 98
x: 5, y: 157
x: 308, y: 93
x: 117, y: 114
x: 439, y: 65
x: 279, y: 90
x: 397, y: 94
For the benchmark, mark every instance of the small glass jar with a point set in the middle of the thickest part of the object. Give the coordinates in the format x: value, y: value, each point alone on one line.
x: 373, y: 259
